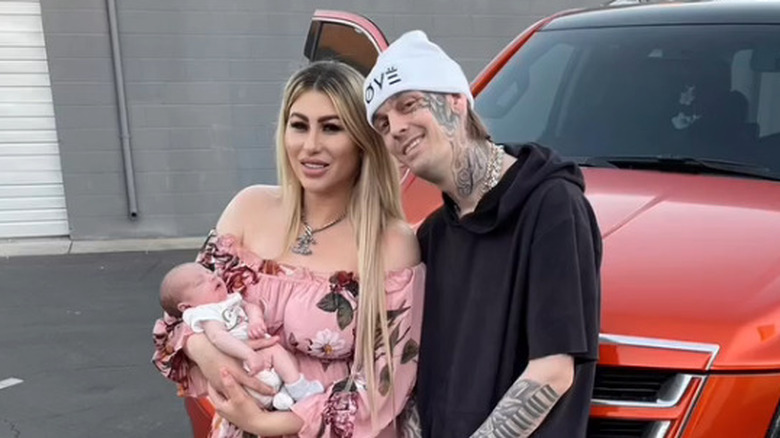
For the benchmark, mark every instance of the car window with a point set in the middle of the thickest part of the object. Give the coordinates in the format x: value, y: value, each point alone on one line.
x: 530, y: 97
x: 705, y: 91
x: 768, y: 104
x: 345, y: 43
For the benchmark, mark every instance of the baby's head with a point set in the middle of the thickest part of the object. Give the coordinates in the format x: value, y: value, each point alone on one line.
x: 188, y: 285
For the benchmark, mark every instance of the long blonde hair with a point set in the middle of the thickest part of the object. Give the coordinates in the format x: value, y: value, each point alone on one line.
x: 375, y: 201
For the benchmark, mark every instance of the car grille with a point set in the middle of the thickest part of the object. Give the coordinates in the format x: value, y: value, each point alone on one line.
x: 607, y: 428
x: 647, y: 402
x: 631, y: 385
x: 614, y: 428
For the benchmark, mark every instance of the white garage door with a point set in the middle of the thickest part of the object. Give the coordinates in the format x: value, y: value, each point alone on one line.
x: 32, y: 199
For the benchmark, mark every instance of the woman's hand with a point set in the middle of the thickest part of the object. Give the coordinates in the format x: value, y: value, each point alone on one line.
x: 236, y: 406
x: 210, y: 361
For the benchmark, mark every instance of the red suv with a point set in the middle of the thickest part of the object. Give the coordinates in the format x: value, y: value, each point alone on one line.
x: 673, y: 110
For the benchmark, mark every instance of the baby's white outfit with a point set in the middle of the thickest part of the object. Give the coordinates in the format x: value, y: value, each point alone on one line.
x: 231, y: 313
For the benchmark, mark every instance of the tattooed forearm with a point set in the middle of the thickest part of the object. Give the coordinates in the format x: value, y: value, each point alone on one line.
x: 520, y: 412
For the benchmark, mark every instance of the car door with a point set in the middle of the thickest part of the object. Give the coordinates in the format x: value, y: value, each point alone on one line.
x: 357, y: 41
x: 346, y: 37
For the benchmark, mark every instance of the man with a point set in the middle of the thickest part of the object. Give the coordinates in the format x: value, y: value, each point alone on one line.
x: 510, y: 334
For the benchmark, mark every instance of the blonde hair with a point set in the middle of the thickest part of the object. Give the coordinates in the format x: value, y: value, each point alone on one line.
x: 375, y: 201
x: 475, y: 128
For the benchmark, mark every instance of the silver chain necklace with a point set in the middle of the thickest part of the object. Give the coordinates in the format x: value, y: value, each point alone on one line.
x: 304, y: 242
x: 494, y: 167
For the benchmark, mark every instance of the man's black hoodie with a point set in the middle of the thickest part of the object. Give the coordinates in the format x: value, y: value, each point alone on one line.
x: 515, y: 280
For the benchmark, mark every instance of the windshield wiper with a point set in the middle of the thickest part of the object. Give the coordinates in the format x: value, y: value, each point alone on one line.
x: 678, y: 163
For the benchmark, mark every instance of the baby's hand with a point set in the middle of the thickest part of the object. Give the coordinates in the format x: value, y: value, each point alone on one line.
x: 257, y: 330
x: 256, y: 363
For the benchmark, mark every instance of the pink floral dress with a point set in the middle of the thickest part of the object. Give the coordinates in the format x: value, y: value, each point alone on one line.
x: 314, y: 316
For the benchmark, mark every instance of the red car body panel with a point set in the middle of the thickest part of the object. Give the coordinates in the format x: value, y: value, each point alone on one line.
x: 694, y: 259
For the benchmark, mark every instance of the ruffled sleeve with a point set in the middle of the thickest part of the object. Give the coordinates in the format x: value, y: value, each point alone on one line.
x: 343, y: 410
x: 219, y: 254
x: 169, y: 338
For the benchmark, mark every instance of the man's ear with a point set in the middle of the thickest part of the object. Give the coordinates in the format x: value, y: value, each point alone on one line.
x: 459, y: 103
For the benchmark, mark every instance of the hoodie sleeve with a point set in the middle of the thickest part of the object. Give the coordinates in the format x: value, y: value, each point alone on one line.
x: 564, y: 285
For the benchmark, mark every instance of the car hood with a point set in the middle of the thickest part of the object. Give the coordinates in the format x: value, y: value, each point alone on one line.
x: 691, y: 258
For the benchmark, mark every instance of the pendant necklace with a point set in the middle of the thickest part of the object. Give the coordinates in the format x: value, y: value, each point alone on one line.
x: 306, y: 239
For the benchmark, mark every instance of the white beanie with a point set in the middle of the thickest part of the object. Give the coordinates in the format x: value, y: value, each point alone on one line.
x: 412, y: 62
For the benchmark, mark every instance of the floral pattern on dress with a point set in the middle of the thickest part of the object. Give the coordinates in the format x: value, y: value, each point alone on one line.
x: 339, y: 414
x: 333, y: 414
x: 219, y: 255
x: 173, y: 366
x: 342, y: 299
x: 328, y: 344
x: 341, y: 406
x: 409, y: 351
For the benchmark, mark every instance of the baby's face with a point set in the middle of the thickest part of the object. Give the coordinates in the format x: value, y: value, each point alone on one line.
x: 205, y: 287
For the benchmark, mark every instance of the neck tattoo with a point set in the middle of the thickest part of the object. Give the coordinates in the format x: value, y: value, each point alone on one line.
x: 304, y: 242
x: 494, y: 167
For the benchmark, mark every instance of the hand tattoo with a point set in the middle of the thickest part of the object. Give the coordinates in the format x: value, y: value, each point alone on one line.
x: 470, y: 162
x: 520, y: 412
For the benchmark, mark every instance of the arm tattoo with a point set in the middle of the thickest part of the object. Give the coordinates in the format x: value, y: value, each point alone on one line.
x: 520, y: 412
x: 470, y: 162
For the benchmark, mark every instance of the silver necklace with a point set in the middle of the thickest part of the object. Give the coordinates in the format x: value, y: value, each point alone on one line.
x: 304, y: 242
x: 494, y: 167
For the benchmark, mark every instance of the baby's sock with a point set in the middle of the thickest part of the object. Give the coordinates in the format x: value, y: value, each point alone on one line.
x: 270, y: 378
x: 303, y: 388
x: 283, y: 401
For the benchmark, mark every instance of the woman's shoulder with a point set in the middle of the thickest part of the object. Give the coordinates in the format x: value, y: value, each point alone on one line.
x: 400, y: 246
x: 245, y: 205
x: 258, y: 194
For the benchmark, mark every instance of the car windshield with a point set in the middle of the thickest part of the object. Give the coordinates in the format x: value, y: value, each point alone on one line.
x: 698, y: 92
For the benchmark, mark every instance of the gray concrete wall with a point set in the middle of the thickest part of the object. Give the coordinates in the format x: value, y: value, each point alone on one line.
x: 203, y: 81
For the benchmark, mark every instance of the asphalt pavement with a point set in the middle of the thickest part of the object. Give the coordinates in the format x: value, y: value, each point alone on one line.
x: 76, y: 331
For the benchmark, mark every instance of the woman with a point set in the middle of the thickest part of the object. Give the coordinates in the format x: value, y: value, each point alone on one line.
x: 331, y: 259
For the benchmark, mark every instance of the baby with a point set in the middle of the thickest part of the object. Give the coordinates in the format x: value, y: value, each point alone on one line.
x: 200, y: 298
